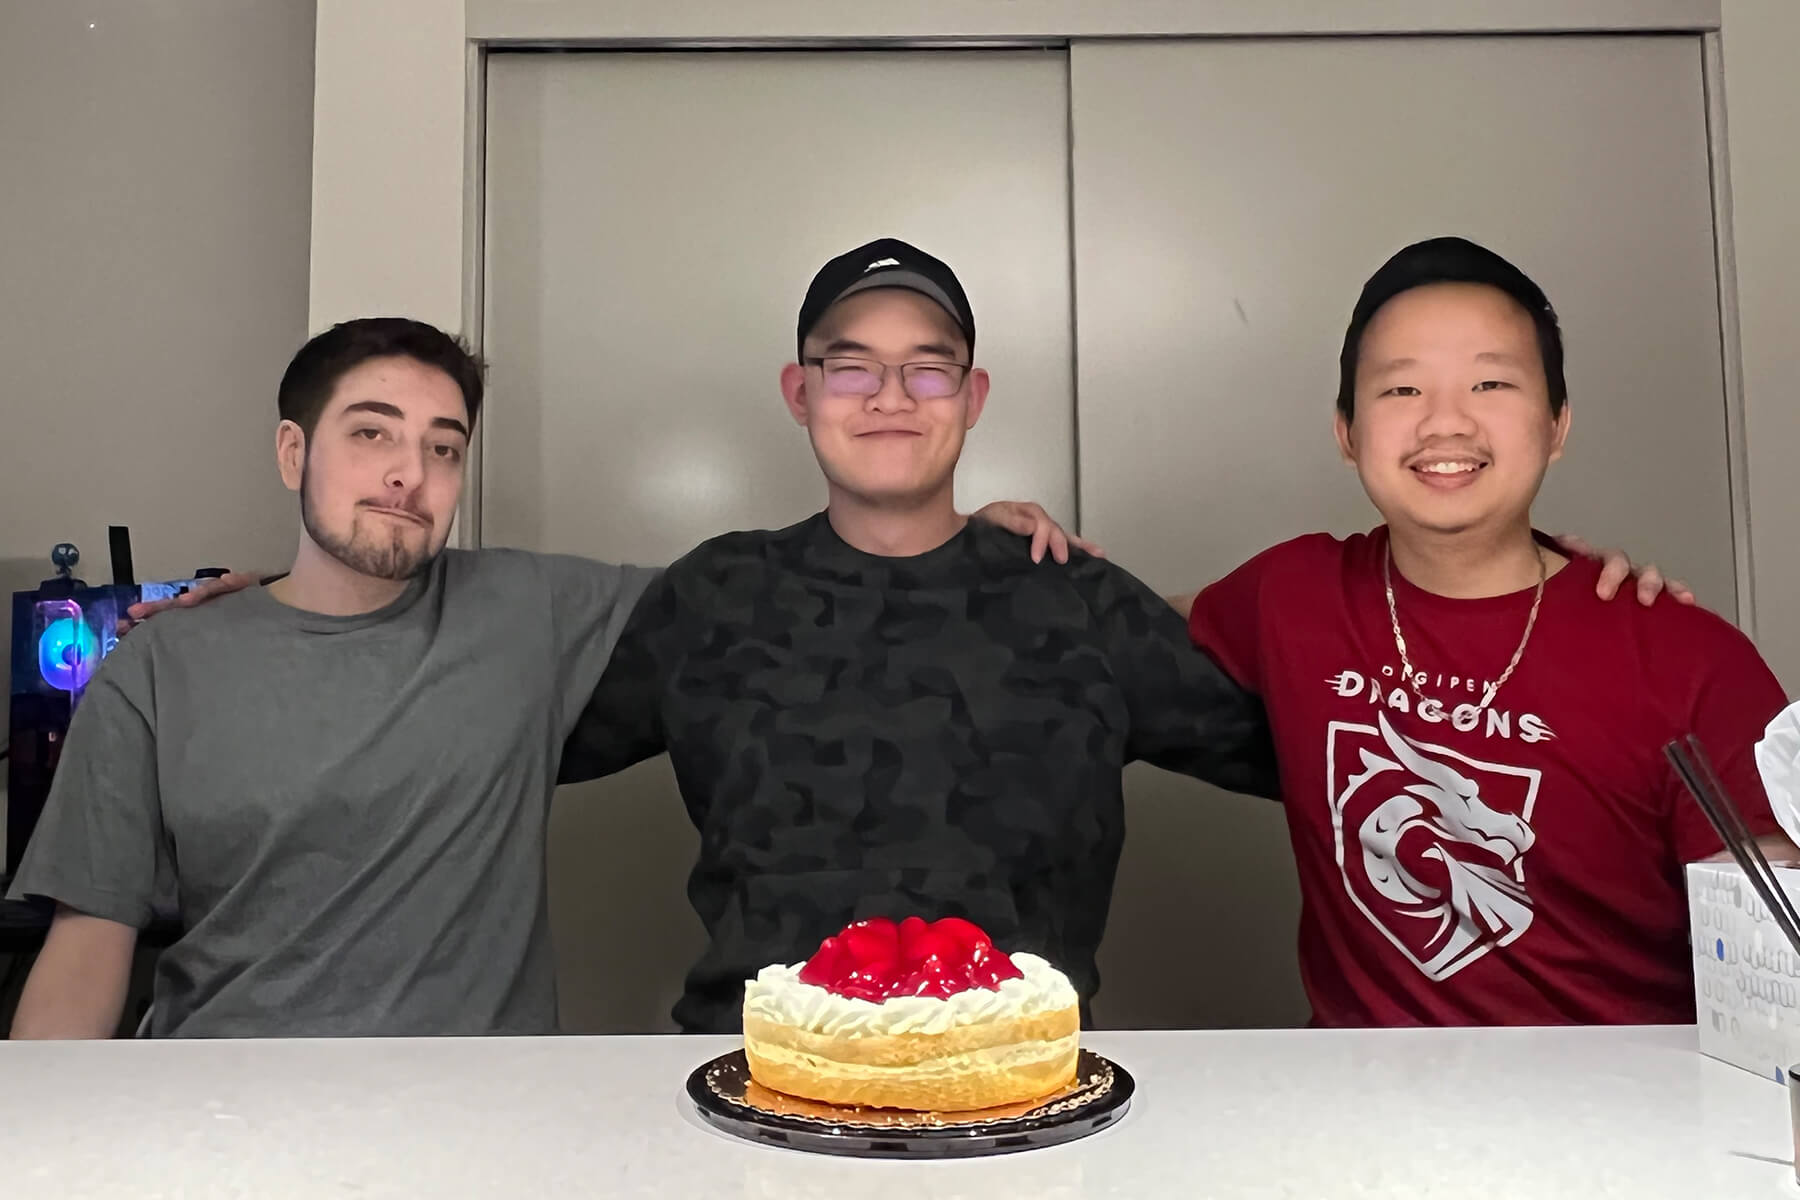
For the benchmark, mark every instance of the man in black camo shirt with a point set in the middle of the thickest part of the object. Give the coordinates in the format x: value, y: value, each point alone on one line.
x: 886, y: 709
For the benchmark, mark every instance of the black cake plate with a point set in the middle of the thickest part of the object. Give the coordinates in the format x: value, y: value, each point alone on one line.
x: 728, y: 1098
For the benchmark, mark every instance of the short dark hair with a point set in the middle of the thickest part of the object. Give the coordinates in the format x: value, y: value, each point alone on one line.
x: 1451, y: 260
x: 309, y: 380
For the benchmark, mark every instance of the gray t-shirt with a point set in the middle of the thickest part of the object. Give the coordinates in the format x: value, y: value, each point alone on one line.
x: 346, y: 813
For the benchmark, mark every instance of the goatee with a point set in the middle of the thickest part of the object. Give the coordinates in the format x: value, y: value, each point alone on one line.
x: 378, y: 553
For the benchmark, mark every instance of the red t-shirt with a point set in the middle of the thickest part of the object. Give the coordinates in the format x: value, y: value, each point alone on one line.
x: 1519, y: 867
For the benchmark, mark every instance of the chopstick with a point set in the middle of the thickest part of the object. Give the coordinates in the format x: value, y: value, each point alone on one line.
x: 1696, y: 771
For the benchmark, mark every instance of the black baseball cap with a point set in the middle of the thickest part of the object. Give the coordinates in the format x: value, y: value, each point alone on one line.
x: 885, y: 262
x: 1451, y: 260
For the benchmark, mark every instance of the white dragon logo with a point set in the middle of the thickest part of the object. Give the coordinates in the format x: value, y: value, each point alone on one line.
x: 1483, y: 901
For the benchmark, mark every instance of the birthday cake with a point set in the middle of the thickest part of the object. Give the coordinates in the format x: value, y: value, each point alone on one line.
x: 920, y: 1015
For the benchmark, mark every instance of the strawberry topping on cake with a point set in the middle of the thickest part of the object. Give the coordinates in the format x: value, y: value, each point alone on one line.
x: 877, y: 960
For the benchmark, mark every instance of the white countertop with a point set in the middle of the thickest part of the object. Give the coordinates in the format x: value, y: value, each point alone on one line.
x: 1534, y: 1114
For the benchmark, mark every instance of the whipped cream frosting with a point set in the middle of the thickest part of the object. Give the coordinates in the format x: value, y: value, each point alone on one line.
x: 777, y: 994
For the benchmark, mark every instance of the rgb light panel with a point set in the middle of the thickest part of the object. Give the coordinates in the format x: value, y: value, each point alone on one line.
x: 67, y: 649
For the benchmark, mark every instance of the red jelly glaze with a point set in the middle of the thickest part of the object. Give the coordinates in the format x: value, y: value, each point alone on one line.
x: 878, y: 960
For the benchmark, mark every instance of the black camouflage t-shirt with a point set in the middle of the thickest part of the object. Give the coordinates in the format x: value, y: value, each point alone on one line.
x: 937, y: 735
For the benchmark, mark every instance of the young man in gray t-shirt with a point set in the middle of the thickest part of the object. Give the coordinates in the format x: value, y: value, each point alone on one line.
x: 339, y: 782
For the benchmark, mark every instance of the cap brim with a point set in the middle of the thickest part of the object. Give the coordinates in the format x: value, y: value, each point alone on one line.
x: 910, y: 280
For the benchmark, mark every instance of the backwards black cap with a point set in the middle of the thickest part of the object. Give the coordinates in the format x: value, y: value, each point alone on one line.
x: 886, y: 262
x: 1451, y: 260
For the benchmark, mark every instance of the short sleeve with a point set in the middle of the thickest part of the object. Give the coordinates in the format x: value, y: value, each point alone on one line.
x: 621, y: 722
x: 100, y: 846
x: 1226, y: 622
x: 1730, y: 698
x: 1187, y: 715
x: 590, y: 603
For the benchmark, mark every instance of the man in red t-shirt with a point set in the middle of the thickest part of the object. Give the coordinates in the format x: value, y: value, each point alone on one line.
x: 1470, y: 740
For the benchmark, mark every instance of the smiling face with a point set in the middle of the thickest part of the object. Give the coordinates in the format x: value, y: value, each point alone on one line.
x: 1453, y: 428
x: 878, y: 440
x: 380, y: 475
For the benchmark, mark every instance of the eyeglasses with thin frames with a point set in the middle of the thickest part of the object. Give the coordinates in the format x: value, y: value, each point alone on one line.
x: 863, y: 377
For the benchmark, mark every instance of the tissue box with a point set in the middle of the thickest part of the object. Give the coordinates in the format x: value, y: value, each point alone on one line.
x: 1746, y: 978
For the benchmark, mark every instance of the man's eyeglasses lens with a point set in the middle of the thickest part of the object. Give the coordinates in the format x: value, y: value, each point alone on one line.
x: 863, y: 377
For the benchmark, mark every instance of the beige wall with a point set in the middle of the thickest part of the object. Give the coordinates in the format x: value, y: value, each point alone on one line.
x: 154, y: 202
x: 157, y: 160
x: 1762, y: 98
x: 388, y: 162
x: 711, y: 19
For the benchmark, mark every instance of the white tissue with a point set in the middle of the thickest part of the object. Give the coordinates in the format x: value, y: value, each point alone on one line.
x: 1778, y: 761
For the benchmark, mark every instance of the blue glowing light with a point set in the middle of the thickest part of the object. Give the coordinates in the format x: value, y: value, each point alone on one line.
x: 68, y: 652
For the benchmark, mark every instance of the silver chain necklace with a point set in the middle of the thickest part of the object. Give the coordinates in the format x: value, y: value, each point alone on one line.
x: 1493, y: 689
